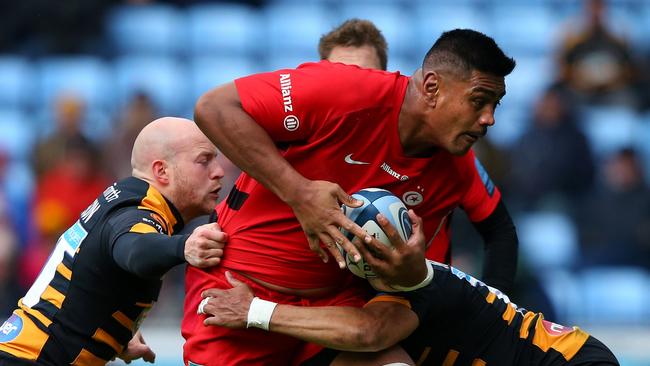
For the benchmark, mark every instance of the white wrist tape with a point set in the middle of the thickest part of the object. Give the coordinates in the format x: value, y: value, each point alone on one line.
x: 425, y: 282
x: 259, y: 313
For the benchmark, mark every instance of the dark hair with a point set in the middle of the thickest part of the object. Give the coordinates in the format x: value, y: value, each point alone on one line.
x: 461, y: 51
x: 356, y: 33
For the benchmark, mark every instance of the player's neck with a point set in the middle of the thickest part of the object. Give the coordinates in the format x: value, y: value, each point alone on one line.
x: 410, y: 122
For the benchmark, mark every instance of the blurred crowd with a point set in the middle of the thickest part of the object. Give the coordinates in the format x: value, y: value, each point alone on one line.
x: 594, y: 177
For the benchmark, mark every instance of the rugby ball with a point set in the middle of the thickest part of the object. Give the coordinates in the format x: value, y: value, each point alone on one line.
x: 375, y: 201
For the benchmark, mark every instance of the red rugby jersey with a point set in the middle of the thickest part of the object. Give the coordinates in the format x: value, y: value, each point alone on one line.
x: 338, y: 123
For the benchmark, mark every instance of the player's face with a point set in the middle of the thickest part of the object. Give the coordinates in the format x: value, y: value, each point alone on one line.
x: 197, y: 178
x: 465, y: 110
x: 364, y: 56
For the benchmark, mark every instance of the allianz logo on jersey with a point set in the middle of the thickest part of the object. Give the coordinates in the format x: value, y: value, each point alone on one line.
x: 395, y: 174
x: 285, y: 87
x: 291, y: 122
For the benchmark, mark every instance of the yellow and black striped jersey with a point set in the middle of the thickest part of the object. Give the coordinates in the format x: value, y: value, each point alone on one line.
x: 86, y: 303
x: 465, y: 322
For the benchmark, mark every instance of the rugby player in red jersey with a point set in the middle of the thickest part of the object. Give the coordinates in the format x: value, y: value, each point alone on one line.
x: 308, y: 137
x: 359, y: 42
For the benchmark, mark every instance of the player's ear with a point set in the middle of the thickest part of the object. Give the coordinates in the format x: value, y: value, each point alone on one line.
x: 160, y: 171
x: 431, y: 88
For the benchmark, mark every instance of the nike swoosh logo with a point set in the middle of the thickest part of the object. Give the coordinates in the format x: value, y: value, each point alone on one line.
x: 348, y: 159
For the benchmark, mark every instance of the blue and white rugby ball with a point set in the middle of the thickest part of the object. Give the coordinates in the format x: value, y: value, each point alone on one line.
x: 375, y: 201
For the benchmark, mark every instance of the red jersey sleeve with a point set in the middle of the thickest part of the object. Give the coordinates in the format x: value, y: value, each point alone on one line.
x: 291, y: 104
x: 483, y: 196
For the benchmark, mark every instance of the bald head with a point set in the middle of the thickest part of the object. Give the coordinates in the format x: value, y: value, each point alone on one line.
x: 161, y: 140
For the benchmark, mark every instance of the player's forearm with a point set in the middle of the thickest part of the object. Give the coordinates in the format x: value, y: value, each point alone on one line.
x: 501, y: 249
x: 149, y: 255
x: 222, y: 119
x: 342, y: 328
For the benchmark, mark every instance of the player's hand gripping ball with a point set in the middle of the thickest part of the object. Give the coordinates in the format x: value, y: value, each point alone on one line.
x: 375, y: 201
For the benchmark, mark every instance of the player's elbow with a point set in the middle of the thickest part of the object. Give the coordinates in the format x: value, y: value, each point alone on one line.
x: 370, y: 336
x: 210, y: 107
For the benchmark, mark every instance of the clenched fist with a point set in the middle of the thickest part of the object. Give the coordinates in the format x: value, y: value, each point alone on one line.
x: 204, y: 247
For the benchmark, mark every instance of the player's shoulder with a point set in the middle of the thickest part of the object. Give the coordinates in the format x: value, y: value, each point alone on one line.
x: 137, y: 219
x: 345, y: 72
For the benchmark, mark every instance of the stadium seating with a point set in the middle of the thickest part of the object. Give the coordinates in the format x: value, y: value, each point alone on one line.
x: 432, y: 18
x: 16, y: 82
x: 641, y: 142
x: 610, y: 128
x: 151, y: 29
x: 86, y: 77
x: 163, y: 79
x: 547, y: 239
x: 528, y: 80
x: 562, y: 288
x: 206, y: 73
x: 389, y: 18
x: 290, y: 60
x: 224, y: 29
x: 511, y: 121
x: 524, y: 28
x: 406, y: 65
x: 615, y: 295
x: 294, y: 30
x: 17, y: 137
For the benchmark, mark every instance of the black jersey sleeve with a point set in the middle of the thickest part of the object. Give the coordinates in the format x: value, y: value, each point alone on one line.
x: 423, y: 301
x: 501, y: 248
x: 139, y: 244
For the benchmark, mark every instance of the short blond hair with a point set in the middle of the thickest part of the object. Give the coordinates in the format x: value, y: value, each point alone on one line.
x: 356, y: 33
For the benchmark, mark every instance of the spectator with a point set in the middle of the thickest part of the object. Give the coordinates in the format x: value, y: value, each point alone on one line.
x: 597, y: 65
x: 137, y: 114
x: 552, y: 162
x: 10, y: 291
x: 69, y: 114
x: 61, y: 193
x: 614, y: 223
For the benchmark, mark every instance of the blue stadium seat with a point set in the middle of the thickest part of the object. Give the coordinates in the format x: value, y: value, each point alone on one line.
x: 209, y: 72
x: 17, y: 137
x: 529, y: 79
x: 524, y: 28
x: 405, y: 65
x: 161, y: 78
x: 86, y: 77
x: 294, y: 30
x: 289, y: 61
x: 641, y: 143
x: 511, y: 121
x: 146, y: 29
x: 389, y: 17
x: 610, y: 128
x: 16, y: 82
x: 616, y: 295
x: 432, y: 18
x: 562, y: 288
x: 224, y: 29
x: 547, y: 239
